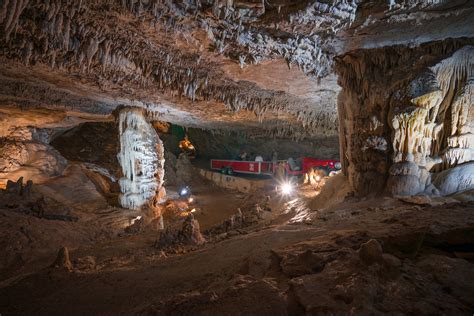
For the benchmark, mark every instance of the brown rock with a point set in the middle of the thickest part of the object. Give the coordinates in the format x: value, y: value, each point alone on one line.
x: 391, y: 265
x: 191, y: 232
x: 15, y: 187
x: 371, y: 252
x: 62, y: 260
x: 307, y: 262
x: 27, y: 190
x: 86, y: 263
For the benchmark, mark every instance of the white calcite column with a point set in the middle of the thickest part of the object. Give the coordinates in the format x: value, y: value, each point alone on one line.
x: 141, y: 158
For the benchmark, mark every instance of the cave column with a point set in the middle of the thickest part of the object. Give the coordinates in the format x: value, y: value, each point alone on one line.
x: 407, y: 131
x: 141, y: 158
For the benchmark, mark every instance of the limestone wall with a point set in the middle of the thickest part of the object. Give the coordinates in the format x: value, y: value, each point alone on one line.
x: 405, y: 115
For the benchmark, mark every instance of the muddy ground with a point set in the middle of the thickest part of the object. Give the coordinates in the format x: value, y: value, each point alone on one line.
x: 355, y: 256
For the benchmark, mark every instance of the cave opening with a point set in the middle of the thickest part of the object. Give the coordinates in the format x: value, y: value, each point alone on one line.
x: 236, y: 157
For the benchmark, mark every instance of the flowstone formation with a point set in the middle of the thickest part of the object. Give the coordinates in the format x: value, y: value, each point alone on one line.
x: 141, y: 157
x: 26, y: 152
x: 415, y: 132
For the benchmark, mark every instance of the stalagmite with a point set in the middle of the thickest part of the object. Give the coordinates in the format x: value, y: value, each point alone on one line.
x: 141, y: 157
x: 457, y: 74
x: 429, y: 120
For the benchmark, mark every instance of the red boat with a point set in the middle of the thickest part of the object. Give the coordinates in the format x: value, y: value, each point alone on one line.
x: 293, y: 167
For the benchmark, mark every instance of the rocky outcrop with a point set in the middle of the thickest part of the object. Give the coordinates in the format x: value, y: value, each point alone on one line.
x: 455, y: 180
x: 188, y: 235
x: 25, y: 152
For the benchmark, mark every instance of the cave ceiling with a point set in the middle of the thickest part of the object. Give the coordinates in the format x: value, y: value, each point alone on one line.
x: 254, y: 65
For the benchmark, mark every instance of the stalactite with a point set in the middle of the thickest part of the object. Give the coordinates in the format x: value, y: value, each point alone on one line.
x: 456, y: 79
x: 73, y: 42
x: 423, y: 114
x: 9, y: 14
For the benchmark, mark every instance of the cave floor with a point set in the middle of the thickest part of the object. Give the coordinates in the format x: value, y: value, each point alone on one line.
x: 213, y: 204
x: 307, y: 266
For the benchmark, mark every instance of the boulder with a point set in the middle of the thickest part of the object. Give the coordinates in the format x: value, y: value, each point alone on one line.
x: 86, y: 263
x: 407, y: 178
x: 371, y: 252
x: 308, y: 262
x: 455, y: 180
x: 404, y: 185
x: 391, y: 266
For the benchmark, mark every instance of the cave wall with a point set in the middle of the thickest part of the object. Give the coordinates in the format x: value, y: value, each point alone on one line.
x: 405, y: 116
x: 90, y: 58
x: 228, y: 144
x: 26, y: 152
x: 91, y: 142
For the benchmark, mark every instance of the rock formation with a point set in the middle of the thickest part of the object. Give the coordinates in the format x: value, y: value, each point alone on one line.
x: 62, y: 260
x: 141, y: 157
x: 188, y: 235
x: 25, y: 152
x: 413, y: 123
x: 96, y: 96
x: 264, y: 69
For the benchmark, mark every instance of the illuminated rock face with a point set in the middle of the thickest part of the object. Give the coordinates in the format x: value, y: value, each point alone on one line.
x: 141, y: 157
x: 399, y: 132
x: 25, y: 152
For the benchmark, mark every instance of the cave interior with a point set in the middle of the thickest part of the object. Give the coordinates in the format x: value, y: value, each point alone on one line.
x: 237, y: 157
